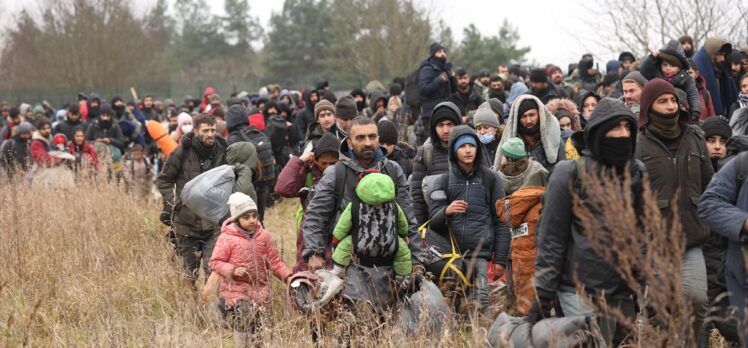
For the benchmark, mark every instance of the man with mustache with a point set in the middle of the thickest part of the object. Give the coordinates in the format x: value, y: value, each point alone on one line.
x: 676, y: 158
x: 201, y: 150
x: 360, y: 152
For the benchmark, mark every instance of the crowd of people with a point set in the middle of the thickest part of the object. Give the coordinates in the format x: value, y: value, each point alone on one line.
x: 468, y: 177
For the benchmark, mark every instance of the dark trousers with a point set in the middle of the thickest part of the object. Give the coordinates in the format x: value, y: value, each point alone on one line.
x: 193, y: 250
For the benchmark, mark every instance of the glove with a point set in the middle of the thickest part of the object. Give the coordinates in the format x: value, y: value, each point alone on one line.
x: 541, y: 308
x: 166, y: 213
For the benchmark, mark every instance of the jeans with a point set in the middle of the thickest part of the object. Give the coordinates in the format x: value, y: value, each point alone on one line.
x: 480, y: 291
x: 572, y: 304
x: 694, y: 280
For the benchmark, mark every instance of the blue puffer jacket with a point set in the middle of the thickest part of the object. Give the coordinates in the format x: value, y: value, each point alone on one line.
x: 479, y: 231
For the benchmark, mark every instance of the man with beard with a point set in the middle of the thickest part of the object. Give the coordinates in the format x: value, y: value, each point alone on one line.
x: 467, y: 97
x: 15, y: 156
x: 104, y: 131
x: 436, y: 83
x: 711, y: 61
x: 565, y: 260
x: 676, y: 158
x: 540, y: 87
x: 632, y: 90
x: 200, y: 151
x: 496, y: 89
x: 72, y: 120
x: 41, y: 144
x: 360, y: 97
x: 147, y: 108
x: 531, y: 121
x: 557, y: 78
x: 367, y: 281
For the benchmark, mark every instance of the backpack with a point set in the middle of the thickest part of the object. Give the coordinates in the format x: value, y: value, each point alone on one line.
x: 375, y: 242
x: 443, y: 257
x: 741, y: 170
x: 265, y: 159
x: 412, y: 90
x: 340, y: 175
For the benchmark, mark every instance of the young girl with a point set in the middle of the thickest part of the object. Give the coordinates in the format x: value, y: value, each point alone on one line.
x: 86, y: 158
x: 244, y: 255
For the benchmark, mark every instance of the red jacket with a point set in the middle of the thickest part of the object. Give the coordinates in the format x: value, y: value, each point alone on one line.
x: 707, y: 107
x: 259, y: 255
x: 90, y: 157
x: 40, y: 152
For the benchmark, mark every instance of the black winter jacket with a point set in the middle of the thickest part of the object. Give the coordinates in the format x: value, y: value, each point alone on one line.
x: 479, y: 232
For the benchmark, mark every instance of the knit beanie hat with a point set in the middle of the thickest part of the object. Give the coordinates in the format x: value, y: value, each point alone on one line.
x: 717, y: 125
x: 637, y: 78
x: 626, y: 56
x: 321, y: 106
x: 514, y: 148
x: 670, y: 58
x: 183, y: 118
x: 435, y: 47
x: 498, y: 107
x: 240, y: 204
x: 346, y: 109
x: 527, y: 105
x: 387, y: 131
x: 24, y: 127
x: 485, y: 116
x: 328, y: 143
x: 465, y: 139
x: 538, y: 76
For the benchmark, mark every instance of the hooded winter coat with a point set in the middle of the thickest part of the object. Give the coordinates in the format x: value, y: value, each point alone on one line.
x: 439, y: 161
x: 479, y: 232
x: 97, y: 131
x: 650, y: 69
x: 682, y: 168
x: 257, y: 253
x: 403, y: 155
x: 371, y: 111
x: 182, y: 166
x: 68, y: 127
x: 305, y: 117
x: 520, y: 211
x: 564, y: 253
x: 549, y: 150
x: 40, y: 151
x: 718, y: 81
x: 243, y: 153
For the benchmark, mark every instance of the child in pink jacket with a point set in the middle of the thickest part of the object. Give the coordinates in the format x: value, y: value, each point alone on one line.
x: 244, y: 256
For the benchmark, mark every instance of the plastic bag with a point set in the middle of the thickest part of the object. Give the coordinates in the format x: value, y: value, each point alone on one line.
x: 208, y: 193
x: 571, y: 331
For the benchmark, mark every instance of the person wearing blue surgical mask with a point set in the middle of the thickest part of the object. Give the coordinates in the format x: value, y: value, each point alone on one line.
x: 488, y: 128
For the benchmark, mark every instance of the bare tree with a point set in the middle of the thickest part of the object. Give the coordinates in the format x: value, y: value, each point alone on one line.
x: 81, y: 43
x: 642, y: 26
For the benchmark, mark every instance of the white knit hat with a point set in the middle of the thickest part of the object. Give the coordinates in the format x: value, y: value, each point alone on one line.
x: 240, y: 204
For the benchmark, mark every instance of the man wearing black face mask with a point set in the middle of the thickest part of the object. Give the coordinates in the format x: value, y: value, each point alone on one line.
x: 564, y: 259
x: 128, y: 124
x: 360, y: 97
x: 105, y: 131
x: 676, y: 158
x: 15, y: 156
x: 94, y: 107
x: 496, y: 89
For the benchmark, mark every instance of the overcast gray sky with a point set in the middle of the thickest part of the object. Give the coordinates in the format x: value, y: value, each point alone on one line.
x: 554, y: 30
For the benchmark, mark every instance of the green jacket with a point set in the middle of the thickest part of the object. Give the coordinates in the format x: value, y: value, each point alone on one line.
x: 243, y: 156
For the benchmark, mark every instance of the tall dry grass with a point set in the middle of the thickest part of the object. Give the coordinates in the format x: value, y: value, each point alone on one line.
x: 89, y: 266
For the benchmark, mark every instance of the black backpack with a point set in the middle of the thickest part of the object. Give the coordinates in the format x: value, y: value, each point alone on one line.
x: 412, y: 91
x: 265, y: 159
